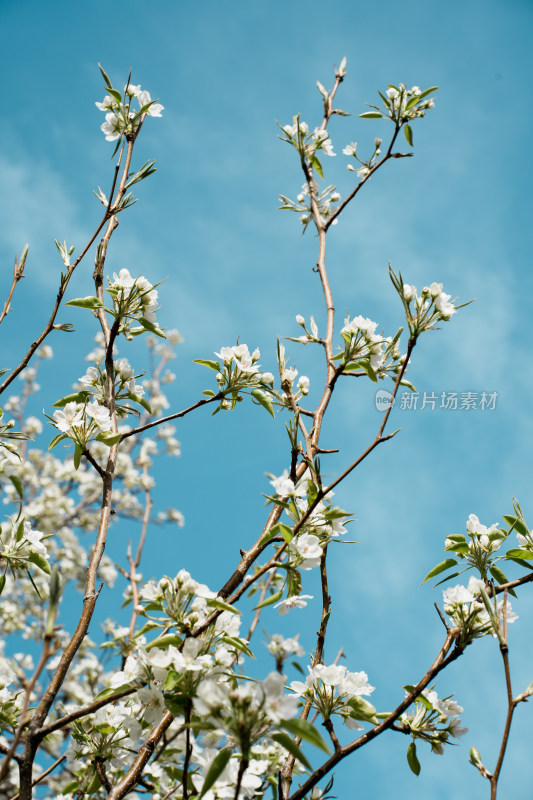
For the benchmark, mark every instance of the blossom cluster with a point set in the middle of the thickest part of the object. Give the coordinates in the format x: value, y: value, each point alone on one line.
x: 366, y: 350
x: 134, y: 300
x: 307, y: 144
x: 120, y: 118
x: 326, y: 201
x: 425, y: 310
x: 334, y: 690
x: 433, y: 720
x: 238, y: 372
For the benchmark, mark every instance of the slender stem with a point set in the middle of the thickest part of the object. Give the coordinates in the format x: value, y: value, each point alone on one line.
x: 18, y: 273
x: 205, y: 401
x: 445, y: 657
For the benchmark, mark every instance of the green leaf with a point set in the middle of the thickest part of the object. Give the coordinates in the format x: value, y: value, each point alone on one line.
x: 109, y: 438
x: 208, y: 393
x: 39, y: 561
x: 270, y: 600
x: 371, y: 115
x: 164, y: 641
x: 56, y: 440
x: 77, y: 397
x: 412, y: 760
x: 78, y: 452
x: 216, y: 769
x: 86, y: 302
x: 317, y: 165
x: 521, y: 562
x: 289, y: 744
x: 409, y: 137
x: 105, y: 77
x: 517, y: 552
x: 206, y: 362
x: 362, y: 709
x: 427, y: 91
x: 215, y: 602
x: 304, y: 729
x: 497, y: 573
x: 369, y: 371
x: 110, y: 692
x: 141, y: 401
x: 149, y: 326
x: 2, y: 583
x: 238, y: 644
x: 449, y: 562
x: 17, y: 483
x: 115, y: 94
x: 264, y: 400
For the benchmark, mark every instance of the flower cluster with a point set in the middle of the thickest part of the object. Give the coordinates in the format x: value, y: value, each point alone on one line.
x: 238, y: 372
x: 366, y: 166
x: 307, y: 144
x: 335, y: 690
x: 402, y: 105
x: 469, y: 613
x: 433, y: 720
x: 20, y: 547
x: 483, y: 542
x: 326, y: 200
x: 120, y: 118
x: 425, y: 310
x: 134, y: 300
x: 366, y: 351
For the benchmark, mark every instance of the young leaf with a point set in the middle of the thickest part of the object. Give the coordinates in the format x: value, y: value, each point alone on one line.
x: 215, y: 602
x: 289, y: 744
x: 2, y: 583
x: 409, y: 137
x: 517, y: 552
x: 412, y: 760
x: 77, y: 397
x: 449, y: 562
x: 269, y: 600
x: 17, y: 483
x: 205, y: 362
x: 109, y: 438
x: 85, y: 302
x: 264, y: 400
x: 215, y: 770
x: 78, y: 452
x: 371, y: 115
x: 39, y: 561
x: 304, y: 729
x: 56, y: 440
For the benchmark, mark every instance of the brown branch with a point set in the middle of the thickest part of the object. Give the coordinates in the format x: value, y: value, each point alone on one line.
x: 445, y: 657
x: 185, y: 411
x: 18, y: 273
x: 62, y: 288
x: 62, y: 722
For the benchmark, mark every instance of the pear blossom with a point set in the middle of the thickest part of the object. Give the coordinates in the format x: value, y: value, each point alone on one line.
x: 295, y: 601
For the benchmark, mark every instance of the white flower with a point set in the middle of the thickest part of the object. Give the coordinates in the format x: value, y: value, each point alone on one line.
x: 155, y: 108
x: 303, y: 384
x: 409, y: 292
x: 100, y: 415
x: 113, y: 126
x: 350, y: 149
x: 296, y: 601
x: 108, y: 102
x: 307, y: 546
x: 68, y: 417
x: 443, y: 305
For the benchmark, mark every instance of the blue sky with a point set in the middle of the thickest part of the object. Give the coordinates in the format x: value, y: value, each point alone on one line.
x: 458, y: 212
